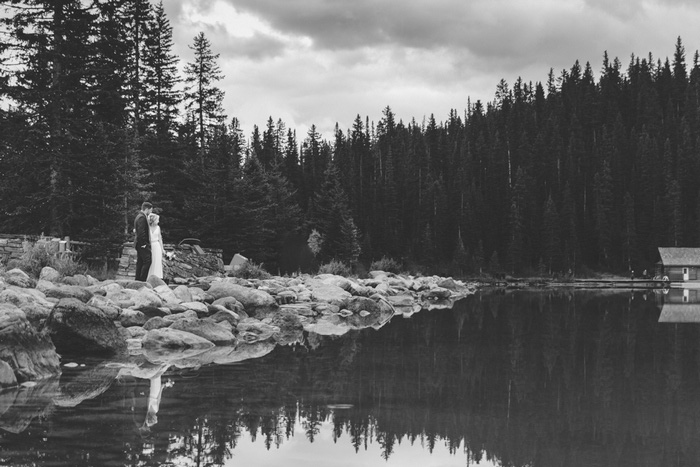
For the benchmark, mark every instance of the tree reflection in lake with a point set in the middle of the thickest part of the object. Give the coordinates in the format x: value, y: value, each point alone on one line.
x: 550, y: 378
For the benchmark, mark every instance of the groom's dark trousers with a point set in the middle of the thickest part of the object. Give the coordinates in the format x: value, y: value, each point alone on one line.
x: 142, y: 243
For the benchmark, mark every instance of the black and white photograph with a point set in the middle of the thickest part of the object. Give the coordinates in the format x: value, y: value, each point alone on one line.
x: 363, y: 233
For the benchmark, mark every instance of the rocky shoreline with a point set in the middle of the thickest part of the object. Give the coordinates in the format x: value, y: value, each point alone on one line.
x: 209, y: 320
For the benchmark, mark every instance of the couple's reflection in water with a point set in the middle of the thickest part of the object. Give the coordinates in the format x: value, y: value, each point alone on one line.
x: 153, y: 372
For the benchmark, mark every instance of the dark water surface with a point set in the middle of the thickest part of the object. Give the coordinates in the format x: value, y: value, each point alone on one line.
x: 524, y: 378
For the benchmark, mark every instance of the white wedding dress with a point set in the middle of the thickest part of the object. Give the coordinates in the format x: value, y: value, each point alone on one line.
x: 157, y: 252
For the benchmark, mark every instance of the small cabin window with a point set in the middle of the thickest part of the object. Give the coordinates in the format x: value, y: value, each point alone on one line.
x: 685, y: 270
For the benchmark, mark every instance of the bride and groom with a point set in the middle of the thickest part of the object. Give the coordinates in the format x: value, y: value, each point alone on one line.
x: 148, y: 244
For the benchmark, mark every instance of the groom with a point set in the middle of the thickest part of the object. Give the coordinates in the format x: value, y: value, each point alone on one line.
x: 142, y: 242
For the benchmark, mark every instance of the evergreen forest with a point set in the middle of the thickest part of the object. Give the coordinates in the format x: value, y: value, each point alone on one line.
x: 584, y: 170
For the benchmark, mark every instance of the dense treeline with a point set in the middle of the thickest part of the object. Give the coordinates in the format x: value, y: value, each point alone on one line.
x: 556, y: 176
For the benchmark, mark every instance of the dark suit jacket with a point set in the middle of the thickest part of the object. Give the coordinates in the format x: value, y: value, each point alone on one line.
x: 141, y: 228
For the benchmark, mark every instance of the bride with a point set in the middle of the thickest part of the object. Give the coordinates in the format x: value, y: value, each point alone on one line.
x: 157, y: 250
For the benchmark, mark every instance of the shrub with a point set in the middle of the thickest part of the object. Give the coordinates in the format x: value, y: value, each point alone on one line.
x: 338, y: 268
x: 386, y: 264
x: 250, y: 270
x: 42, y: 254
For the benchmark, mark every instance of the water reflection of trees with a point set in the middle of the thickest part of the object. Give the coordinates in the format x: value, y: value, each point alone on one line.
x: 528, y: 378
x: 546, y: 378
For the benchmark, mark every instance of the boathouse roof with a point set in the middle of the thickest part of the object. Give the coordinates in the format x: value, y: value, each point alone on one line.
x: 673, y: 256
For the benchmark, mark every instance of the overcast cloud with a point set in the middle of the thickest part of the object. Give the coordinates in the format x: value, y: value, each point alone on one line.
x: 326, y: 61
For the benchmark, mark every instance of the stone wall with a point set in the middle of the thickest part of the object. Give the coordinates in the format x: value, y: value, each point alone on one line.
x: 180, y: 262
x: 11, y: 247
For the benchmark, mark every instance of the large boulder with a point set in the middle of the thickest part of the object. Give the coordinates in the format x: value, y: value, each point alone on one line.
x: 31, y: 355
x: 49, y: 274
x: 108, y: 307
x: 252, y: 330
x: 131, y: 317
x: 182, y: 292
x: 290, y: 327
x: 19, y: 278
x: 230, y: 303
x: 254, y: 301
x: 155, y: 281
x: 168, y: 338
x: 34, y: 303
x: 75, y: 326
x: 123, y: 298
x: 167, y: 295
x: 200, y: 308
x: 69, y: 291
x: 178, y: 316
x: 229, y: 316
x: 157, y: 322
x: 369, y: 312
x: 322, y: 292
x: 207, y: 329
x: 344, y: 283
x: 146, y: 297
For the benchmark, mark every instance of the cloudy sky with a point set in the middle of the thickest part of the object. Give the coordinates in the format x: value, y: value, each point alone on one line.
x: 326, y: 61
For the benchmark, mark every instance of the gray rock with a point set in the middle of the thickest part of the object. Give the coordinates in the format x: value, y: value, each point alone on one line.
x: 254, y: 301
x: 31, y: 355
x: 300, y: 309
x: 251, y: 330
x: 167, y: 295
x: 206, y: 329
x: 77, y: 327
x: 79, y: 280
x: 19, y: 278
x: 69, y: 291
x: 328, y: 293
x: 34, y: 303
x: 183, y: 293
x: 178, y: 316
x: 49, y: 274
x: 168, y: 338
x: 155, y: 281
x: 136, y: 332
x: 437, y: 293
x: 131, y: 317
x: 290, y: 327
x: 108, y: 307
x: 230, y: 303
x: 7, y: 376
x: 226, y: 315
x: 200, y: 308
x: 146, y: 297
x: 357, y: 304
x: 157, y: 322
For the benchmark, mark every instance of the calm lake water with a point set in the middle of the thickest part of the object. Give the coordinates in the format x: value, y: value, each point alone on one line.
x: 522, y: 378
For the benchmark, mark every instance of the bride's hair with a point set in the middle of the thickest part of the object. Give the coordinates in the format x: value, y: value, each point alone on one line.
x: 153, y: 218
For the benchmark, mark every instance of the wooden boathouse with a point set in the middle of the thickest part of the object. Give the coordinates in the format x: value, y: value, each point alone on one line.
x: 680, y: 264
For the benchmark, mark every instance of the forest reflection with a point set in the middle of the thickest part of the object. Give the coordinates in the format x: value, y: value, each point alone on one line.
x: 519, y: 378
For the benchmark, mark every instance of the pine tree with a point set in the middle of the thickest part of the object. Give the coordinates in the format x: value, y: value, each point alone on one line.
x: 333, y: 219
x: 160, y: 77
x: 201, y: 94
